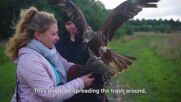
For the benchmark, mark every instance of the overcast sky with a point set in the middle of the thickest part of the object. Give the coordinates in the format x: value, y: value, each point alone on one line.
x: 166, y: 9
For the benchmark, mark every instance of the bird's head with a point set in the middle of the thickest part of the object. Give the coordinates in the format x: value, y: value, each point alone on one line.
x: 88, y: 35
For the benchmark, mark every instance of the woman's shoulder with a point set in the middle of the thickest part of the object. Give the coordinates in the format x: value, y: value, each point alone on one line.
x: 28, y: 58
x: 27, y: 51
x: 28, y: 54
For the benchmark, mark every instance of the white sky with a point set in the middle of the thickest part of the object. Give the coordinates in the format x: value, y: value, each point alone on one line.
x: 166, y: 9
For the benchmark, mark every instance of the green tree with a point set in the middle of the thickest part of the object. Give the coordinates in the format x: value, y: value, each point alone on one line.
x: 94, y: 11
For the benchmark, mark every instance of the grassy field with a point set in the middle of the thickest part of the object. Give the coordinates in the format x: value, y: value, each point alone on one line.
x: 153, y: 71
x: 7, y: 75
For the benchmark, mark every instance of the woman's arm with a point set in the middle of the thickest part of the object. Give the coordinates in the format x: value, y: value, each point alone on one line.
x: 67, y: 65
x: 34, y: 72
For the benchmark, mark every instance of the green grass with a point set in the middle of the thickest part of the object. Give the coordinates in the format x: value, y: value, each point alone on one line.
x: 7, y: 75
x: 160, y: 77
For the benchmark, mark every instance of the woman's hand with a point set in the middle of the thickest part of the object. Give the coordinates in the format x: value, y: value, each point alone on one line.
x: 87, y: 79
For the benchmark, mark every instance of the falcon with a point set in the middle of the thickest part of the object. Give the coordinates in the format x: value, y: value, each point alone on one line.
x: 97, y: 41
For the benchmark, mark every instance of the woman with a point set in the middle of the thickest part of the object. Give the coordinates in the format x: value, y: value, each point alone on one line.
x: 71, y: 45
x: 41, y: 71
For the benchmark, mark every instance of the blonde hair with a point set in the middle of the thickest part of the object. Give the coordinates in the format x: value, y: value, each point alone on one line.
x: 31, y: 20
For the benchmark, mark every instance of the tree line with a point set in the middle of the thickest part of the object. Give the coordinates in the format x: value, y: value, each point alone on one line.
x: 163, y: 26
x: 93, y: 10
x: 158, y: 26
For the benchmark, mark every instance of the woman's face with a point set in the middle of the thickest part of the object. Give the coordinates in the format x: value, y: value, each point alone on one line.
x: 50, y: 37
x: 71, y: 28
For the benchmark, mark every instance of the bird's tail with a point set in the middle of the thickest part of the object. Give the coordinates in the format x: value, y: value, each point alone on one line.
x: 120, y: 63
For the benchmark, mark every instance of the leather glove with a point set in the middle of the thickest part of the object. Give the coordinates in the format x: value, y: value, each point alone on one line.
x: 100, y: 71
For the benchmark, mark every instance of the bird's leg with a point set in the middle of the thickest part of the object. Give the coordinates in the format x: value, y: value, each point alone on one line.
x: 105, y: 54
x: 93, y: 55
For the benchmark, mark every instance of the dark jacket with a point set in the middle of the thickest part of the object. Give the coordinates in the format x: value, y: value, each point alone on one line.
x: 77, y: 53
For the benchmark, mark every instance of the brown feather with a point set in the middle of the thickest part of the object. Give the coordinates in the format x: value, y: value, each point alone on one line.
x: 74, y: 12
x: 121, y: 62
x: 122, y: 14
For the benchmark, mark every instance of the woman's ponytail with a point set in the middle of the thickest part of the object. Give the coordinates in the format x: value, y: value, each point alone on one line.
x: 31, y: 20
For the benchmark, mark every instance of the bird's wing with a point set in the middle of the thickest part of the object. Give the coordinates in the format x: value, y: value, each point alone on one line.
x: 74, y: 12
x: 121, y: 14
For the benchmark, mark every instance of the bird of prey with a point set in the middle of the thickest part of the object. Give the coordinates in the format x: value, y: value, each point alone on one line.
x: 97, y: 40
